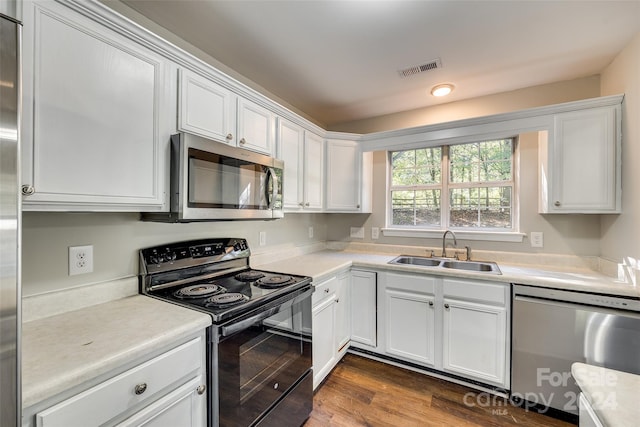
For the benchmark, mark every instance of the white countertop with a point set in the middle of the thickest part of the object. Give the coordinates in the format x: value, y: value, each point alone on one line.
x: 321, y: 264
x: 66, y: 350
x: 613, y: 395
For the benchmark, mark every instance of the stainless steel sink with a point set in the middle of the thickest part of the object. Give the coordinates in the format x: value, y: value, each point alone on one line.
x: 416, y: 260
x: 436, y: 263
x: 480, y: 267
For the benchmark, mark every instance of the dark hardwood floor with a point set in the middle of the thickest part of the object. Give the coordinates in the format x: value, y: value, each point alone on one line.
x: 364, y: 392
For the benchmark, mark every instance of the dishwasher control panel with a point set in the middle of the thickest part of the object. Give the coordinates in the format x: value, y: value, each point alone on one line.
x: 576, y: 297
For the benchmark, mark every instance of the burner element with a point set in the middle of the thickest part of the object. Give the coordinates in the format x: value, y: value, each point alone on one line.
x: 199, y: 291
x: 226, y: 300
x: 249, y: 276
x: 274, y: 281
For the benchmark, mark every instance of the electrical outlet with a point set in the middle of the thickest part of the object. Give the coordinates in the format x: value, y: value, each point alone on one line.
x: 263, y: 238
x: 357, y: 232
x: 311, y: 232
x: 375, y: 233
x: 537, y: 239
x: 80, y: 259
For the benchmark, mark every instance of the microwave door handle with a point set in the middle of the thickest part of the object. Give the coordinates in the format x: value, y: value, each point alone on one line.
x: 271, y: 176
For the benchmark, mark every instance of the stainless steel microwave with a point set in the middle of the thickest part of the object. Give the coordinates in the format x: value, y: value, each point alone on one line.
x: 213, y: 181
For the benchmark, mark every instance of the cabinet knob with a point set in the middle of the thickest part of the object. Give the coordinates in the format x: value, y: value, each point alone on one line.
x: 243, y: 141
x: 430, y: 303
x: 446, y: 306
x: 301, y: 204
x: 306, y: 204
x: 229, y: 137
x: 557, y: 203
x: 358, y: 206
x: 140, y: 388
x: 201, y: 389
x: 326, y: 291
x: 28, y: 190
x: 337, y: 300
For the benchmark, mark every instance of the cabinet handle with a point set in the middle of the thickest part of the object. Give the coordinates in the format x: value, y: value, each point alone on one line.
x: 243, y: 141
x: 229, y: 137
x: 201, y: 389
x: 446, y: 306
x: 28, y: 190
x: 140, y: 388
x: 430, y: 303
x: 557, y: 203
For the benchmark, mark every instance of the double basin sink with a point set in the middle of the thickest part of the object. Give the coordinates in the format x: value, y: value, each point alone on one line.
x: 437, y: 263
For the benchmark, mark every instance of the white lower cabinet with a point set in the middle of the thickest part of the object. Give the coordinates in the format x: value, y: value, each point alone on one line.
x: 456, y: 326
x: 331, y: 323
x: 409, y: 318
x: 363, y: 309
x: 167, y: 390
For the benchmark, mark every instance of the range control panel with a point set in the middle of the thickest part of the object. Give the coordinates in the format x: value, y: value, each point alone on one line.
x: 191, y: 252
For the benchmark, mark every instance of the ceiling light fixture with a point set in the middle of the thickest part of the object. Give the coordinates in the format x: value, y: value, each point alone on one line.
x: 442, y: 90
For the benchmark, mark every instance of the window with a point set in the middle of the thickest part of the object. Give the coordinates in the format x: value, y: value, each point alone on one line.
x: 466, y: 186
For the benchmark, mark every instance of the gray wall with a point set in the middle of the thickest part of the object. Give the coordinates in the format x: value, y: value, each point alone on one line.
x: 116, y: 238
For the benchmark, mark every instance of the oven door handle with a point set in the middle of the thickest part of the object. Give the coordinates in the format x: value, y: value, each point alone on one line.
x: 228, y: 330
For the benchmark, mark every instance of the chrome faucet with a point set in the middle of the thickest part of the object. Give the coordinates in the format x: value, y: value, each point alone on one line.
x: 455, y: 242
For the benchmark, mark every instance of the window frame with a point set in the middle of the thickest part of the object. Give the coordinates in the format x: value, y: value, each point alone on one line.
x: 445, y: 187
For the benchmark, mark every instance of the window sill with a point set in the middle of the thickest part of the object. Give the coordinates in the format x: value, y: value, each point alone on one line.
x: 488, y: 236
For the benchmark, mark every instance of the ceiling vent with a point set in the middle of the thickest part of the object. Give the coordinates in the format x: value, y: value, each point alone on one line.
x: 417, y: 69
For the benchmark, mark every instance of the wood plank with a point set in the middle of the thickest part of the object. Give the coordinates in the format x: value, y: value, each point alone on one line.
x: 365, y: 392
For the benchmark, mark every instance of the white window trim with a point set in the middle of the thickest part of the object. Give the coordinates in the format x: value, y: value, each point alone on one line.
x: 511, y: 235
x: 488, y: 236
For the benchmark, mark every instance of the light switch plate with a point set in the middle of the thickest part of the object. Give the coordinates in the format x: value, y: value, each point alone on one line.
x: 311, y: 232
x: 263, y: 238
x: 537, y: 239
x: 357, y: 232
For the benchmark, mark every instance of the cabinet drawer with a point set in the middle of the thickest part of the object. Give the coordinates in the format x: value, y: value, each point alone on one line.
x: 324, y: 290
x: 476, y: 290
x: 117, y: 395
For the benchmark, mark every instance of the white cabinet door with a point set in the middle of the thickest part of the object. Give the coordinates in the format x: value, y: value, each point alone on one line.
x: 291, y: 151
x: 206, y: 108
x: 580, y: 162
x: 185, y: 406
x: 474, y: 340
x: 343, y: 313
x: 324, y: 338
x: 256, y: 127
x: 313, y: 172
x: 410, y: 325
x: 344, y: 176
x: 94, y: 129
x: 363, y: 307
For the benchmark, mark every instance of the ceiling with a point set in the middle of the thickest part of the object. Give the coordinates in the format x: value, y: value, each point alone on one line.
x: 338, y: 61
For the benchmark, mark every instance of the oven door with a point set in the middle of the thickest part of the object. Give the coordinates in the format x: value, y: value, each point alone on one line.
x: 259, y: 364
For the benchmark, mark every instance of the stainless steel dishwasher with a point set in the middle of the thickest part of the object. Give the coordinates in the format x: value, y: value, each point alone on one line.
x: 554, y: 328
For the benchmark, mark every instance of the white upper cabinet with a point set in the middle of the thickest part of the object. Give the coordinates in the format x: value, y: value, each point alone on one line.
x: 580, y: 162
x: 303, y: 156
x: 256, y: 127
x: 206, y: 108
x: 344, y: 176
x: 313, y: 171
x: 95, y: 115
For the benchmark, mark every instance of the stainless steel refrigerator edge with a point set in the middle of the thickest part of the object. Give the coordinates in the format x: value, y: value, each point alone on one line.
x: 10, y: 295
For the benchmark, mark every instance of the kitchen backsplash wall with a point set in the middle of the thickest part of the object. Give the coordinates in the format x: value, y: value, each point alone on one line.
x: 563, y: 234
x: 116, y: 238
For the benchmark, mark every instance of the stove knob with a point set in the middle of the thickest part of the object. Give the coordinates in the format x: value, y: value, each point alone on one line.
x: 171, y: 256
x: 153, y: 259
